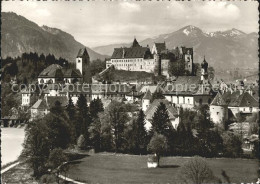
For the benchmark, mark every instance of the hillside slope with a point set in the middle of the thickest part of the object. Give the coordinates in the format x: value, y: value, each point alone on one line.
x: 20, y: 35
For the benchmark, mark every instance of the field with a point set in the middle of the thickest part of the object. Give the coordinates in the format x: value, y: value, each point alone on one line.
x: 110, y: 168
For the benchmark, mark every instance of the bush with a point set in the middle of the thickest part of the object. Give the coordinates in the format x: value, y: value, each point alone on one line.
x: 81, y: 142
x: 232, y: 145
x: 158, y: 145
x: 196, y: 170
x: 48, y: 178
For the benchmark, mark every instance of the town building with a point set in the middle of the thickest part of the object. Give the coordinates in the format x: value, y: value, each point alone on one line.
x: 190, y: 91
x: 43, y: 106
x: 58, y: 74
x: 134, y: 58
x: 218, y: 109
x: 172, y: 112
x: 241, y: 102
x: 146, y: 100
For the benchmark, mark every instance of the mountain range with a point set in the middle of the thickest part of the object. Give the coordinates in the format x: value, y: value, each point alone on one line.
x: 19, y: 35
x: 222, y: 49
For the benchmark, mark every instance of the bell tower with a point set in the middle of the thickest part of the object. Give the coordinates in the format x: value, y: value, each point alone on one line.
x: 83, y: 65
x: 204, y: 70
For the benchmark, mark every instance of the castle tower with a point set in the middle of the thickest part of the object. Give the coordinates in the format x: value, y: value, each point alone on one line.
x: 146, y: 100
x: 188, y: 58
x: 218, y: 109
x: 83, y: 65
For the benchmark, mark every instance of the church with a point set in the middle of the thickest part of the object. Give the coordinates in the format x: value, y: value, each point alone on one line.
x: 58, y: 74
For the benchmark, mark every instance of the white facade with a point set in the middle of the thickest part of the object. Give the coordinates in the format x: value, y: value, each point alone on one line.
x: 145, y: 104
x: 236, y: 110
x: 175, y: 122
x: 187, y: 102
x: 79, y: 64
x: 132, y: 64
x: 26, y: 99
x: 46, y: 80
x: 218, y: 114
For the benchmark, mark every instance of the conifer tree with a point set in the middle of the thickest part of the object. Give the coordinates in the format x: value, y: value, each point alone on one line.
x: 83, y: 117
x: 139, y: 133
x: 161, y: 121
x: 70, y: 109
x: 95, y: 107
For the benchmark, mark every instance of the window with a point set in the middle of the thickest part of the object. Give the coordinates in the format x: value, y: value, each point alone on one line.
x: 188, y: 101
x: 217, y: 113
x: 250, y: 109
x: 78, y: 61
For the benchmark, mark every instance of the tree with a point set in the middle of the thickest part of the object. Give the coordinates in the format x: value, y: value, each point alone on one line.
x: 117, y: 117
x: 202, y: 119
x: 157, y: 95
x: 158, y: 145
x: 36, y: 147
x: 232, y: 145
x: 81, y: 142
x: 97, y: 66
x: 95, y: 107
x: 137, y: 136
x: 161, y: 121
x: 56, y: 160
x: 83, y: 118
x: 177, y: 68
x: 211, y: 73
x: 211, y: 143
x: 196, y: 170
x: 71, y: 109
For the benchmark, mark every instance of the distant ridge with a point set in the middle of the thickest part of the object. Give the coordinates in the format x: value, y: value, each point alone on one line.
x: 20, y: 35
x: 223, y: 49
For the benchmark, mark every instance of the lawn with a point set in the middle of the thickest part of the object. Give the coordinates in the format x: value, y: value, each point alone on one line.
x: 109, y: 168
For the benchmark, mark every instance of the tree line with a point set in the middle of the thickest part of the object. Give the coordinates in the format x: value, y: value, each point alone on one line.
x: 121, y: 128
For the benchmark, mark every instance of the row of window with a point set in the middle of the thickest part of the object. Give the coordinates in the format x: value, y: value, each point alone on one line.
x: 26, y: 100
x: 125, y: 60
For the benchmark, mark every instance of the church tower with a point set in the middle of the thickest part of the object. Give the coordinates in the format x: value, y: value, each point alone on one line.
x: 83, y: 65
x: 204, y: 71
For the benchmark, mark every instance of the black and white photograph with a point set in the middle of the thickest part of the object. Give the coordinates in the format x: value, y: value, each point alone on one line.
x: 129, y: 92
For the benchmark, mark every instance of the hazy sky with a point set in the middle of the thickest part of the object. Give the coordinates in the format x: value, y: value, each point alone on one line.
x: 98, y: 23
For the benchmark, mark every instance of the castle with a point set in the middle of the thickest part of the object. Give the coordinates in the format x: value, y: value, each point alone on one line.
x: 155, y: 60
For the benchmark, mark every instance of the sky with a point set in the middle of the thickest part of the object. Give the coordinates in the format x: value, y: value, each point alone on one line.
x: 98, y: 23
